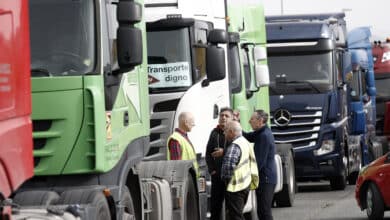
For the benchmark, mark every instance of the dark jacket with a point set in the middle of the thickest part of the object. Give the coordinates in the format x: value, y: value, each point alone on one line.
x: 216, y: 139
x: 264, y: 148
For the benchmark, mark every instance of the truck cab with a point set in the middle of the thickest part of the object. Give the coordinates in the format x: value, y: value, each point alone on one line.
x: 359, y: 45
x: 381, y: 53
x: 310, y: 105
x: 185, y: 65
x: 16, y: 160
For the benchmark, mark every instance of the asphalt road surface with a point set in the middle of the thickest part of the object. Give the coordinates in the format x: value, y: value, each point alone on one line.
x: 316, y: 201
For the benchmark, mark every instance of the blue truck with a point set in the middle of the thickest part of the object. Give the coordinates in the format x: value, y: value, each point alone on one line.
x: 315, y: 96
x: 359, y: 45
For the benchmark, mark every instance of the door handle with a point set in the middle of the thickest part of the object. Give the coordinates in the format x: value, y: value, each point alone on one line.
x: 126, y: 118
x: 216, y: 111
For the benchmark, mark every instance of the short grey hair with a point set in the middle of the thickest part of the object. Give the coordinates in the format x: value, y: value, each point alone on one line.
x: 261, y: 114
x: 235, y: 127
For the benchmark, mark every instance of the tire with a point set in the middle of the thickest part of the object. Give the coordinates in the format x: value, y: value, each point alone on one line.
x: 91, y: 197
x: 374, y: 203
x: 191, y: 207
x: 36, y: 198
x: 339, y: 182
x: 127, y: 203
x: 285, y: 198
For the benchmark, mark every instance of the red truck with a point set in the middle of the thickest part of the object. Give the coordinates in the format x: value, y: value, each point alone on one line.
x: 381, y: 54
x: 16, y: 160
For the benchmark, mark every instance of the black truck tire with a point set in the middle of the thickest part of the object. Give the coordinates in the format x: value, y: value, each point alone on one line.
x: 92, y: 197
x: 374, y: 203
x: 285, y: 198
x: 36, y: 198
x: 127, y: 203
x: 339, y: 182
x: 191, y: 206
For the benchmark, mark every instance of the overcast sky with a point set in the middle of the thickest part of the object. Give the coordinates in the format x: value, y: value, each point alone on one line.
x: 374, y: 13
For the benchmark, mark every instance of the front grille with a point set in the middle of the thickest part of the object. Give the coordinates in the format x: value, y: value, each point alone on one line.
x: 39, y: 141
x: 161, y: 126
x: 301, y: 131
x: 41, y: 125
x: 166, y: 106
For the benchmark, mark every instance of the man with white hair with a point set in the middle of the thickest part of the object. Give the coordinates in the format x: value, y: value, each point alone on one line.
x: 179, y: 145
x: 237, y: 164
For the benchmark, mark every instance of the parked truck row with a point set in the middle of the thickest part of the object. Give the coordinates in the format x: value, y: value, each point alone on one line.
x: 107, y: 88
x: 322, y: 95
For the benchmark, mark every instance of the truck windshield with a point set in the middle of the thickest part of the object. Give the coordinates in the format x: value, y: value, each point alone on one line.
x: 169, y: 60
x: 300, y: 73
x: 62, y: 37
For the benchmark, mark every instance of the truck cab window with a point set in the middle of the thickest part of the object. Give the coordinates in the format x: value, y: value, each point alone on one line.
x: 296, y: 73
x: 355, y: 84
x: 67, y: 46
x: 247, y: 69
x: 200, y: 62
x: 112, y: 28
x: 234, y: 68
x: 169, y: 59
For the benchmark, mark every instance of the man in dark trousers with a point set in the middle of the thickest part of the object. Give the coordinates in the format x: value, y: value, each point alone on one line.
x: 214, y: 155
x: 264, y: 147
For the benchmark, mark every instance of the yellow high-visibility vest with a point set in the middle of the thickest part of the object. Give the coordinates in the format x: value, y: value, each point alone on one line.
x: 245, y: 173
x: 187, y: 150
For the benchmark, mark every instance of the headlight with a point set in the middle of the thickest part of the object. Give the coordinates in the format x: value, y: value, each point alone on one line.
x: 386, y: 56
x: 326, y: 147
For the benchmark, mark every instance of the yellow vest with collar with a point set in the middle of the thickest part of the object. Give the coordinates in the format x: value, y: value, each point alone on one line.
x: 245, y: 173
x: 187, y: 150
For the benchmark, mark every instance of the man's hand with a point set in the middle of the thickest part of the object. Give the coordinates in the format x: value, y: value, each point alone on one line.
x: 213, y: 172
x: 218, y: 152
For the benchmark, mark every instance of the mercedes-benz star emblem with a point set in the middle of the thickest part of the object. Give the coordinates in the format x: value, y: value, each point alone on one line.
x: 282, y: 117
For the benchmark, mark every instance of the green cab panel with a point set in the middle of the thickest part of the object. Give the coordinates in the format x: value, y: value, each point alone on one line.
x: 57, y: 112
x: 249, y: 22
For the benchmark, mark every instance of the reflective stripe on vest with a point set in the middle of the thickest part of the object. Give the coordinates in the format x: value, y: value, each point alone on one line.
x: 187, y: 150
x: 241, y: 178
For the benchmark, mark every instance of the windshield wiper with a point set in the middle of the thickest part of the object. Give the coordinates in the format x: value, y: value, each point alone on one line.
x: 304, y: 82
x: 40, y: 72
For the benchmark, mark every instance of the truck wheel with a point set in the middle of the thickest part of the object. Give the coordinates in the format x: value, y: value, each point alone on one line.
x: 91, y: 197
x: 339, y: 182
x: 127, y: 203
x: 191, y: 209
x: 374, y: 203
x: 285, y: 198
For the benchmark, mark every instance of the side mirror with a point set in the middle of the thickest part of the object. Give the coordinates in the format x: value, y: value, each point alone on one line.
x: 129, y: 12
x: 347, y: 67
x: 261, y: 70
x: 218, y: 36
x: 129, y: 47
x: 262, y: 75
x: 259, y: 53
x: 215, y: 63
x: 129, y: 38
